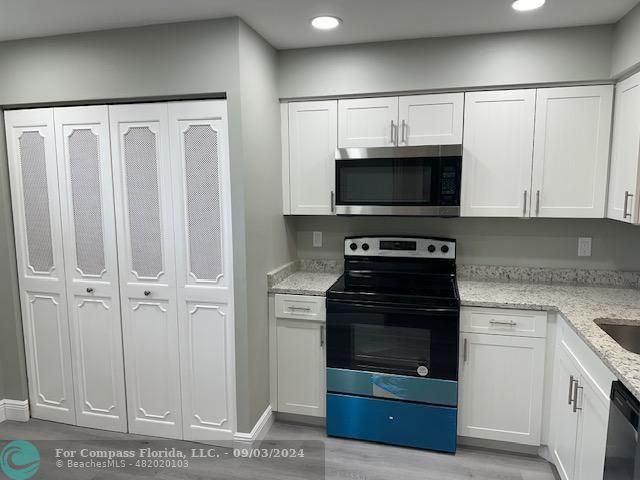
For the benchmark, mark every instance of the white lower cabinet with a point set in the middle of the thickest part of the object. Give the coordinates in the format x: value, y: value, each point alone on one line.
x: 580, y: 409
x: 298, y: 356
x: 501, y: 377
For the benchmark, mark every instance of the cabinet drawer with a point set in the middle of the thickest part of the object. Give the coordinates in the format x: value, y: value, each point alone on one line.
x: 495, y: 321
x: 300, y: 307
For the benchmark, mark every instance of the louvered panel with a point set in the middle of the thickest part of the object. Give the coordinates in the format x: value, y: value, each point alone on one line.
x: 203, y: 202
x: 143, y: 199
x: 36, y: 202
x: 84, y: 166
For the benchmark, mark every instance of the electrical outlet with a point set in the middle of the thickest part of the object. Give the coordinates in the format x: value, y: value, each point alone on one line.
x: 317, y: 239
x: 584, y: 246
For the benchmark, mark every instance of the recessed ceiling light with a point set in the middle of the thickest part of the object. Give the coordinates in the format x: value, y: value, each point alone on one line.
x: 325, y: 22
x: 526, y: 5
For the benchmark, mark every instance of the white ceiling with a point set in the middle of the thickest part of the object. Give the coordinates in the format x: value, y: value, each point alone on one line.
x: 285, y: 23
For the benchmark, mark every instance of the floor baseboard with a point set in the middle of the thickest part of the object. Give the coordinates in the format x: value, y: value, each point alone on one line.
x: 258, y: 432
x: 15, y: 410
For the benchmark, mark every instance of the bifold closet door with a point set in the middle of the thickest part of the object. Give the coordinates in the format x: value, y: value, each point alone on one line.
x: 36, y: 216
x: 202, y: 213
x: 142, y: 186
x: 88, y: 225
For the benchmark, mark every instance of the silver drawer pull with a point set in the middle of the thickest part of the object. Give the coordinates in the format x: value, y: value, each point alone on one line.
x: 576, y: 387
x: 508, y: 324
x: 302, y: 309
x: 571, y: 380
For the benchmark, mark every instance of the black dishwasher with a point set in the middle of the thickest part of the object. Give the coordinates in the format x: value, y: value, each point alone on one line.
x: 622, y: 459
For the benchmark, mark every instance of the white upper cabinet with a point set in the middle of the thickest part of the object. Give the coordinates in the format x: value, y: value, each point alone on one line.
x: 571, y: 151
x: 368, y: 122
x: 431, y: 119
x: 498, y: 151
x: 625, y: 155
x: 401, y: 121
x: 312, y: 149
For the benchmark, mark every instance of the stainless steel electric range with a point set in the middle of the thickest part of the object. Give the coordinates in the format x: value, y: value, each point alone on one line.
x: 392, y: 343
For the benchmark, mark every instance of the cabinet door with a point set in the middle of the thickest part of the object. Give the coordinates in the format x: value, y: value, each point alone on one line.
x: 86, y: 196
x: 593, y: 411
x: 501, y: 381
x: 625, y: 153
x: 498, y: 151
x: 36, y: 216
x: 431, y: 119
x: 564, y: 421
x: 143, y: 191
x: 202, y: 219
x: 368, y: 122
x: 301, y: 367
x: 312, y: 153
x: 571, y: 151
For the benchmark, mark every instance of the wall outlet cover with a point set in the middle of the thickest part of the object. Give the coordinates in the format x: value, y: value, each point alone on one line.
x: 584, y: 246
x: 317, y: 239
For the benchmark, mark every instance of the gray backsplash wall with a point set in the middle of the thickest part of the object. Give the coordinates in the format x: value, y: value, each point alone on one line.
x: 551, y: 243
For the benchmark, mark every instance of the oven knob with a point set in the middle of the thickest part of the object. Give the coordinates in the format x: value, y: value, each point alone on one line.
x: 445, y: 248
x: 365, y: 246
x: 353, y: 247
x: 431, y: 248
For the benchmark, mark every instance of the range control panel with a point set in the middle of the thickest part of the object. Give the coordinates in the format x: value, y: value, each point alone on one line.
x: 407, y: 247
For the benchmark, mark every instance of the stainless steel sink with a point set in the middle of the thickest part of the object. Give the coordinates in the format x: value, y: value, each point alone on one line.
x: 627, y: 336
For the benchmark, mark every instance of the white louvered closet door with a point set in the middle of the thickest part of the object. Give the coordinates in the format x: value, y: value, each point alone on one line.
x: 36, y: 215
x: 142, y: 185
x: 202, y: 213
x: 88, y: 225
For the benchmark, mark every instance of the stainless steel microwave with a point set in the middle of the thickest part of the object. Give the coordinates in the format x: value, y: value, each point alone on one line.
x: 420, y: 181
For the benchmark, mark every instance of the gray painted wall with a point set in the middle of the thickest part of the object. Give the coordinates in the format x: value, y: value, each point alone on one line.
x: 269, y: 242
x: 549, y: 243
x: 626, y: 44
x: 543, y: 56
x: 13, y: 381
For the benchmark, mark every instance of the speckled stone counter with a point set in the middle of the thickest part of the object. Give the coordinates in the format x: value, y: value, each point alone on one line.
x: 579, y: 306
x: 306, y: 283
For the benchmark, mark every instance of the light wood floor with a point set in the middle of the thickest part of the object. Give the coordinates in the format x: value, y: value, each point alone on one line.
x: 340, y: 460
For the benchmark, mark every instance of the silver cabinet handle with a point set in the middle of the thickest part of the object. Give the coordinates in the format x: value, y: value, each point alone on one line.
x: 464, y: 350
x: 576, y: 387
x: 392, y: 132
x: 322, y: 335
x: 302, y: 309
x: 627, y: 195
x: 571, y: 380
x: 147, y: 293
x: 538, y: 203
x: 333, y: 201
x: 404, y: 132
x: 524, y: 206
x: 508, y: 324
x: 89, y: 290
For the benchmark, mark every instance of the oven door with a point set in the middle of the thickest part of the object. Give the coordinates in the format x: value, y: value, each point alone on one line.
x: 393, y: 339
x: 398, y: 186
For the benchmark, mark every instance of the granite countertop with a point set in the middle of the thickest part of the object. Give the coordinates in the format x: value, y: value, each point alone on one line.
x: 580, y: 306
x: 306, y: 283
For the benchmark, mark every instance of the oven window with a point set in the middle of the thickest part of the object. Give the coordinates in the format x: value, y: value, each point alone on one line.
x: 391, y: 348
x: 407, y: 181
